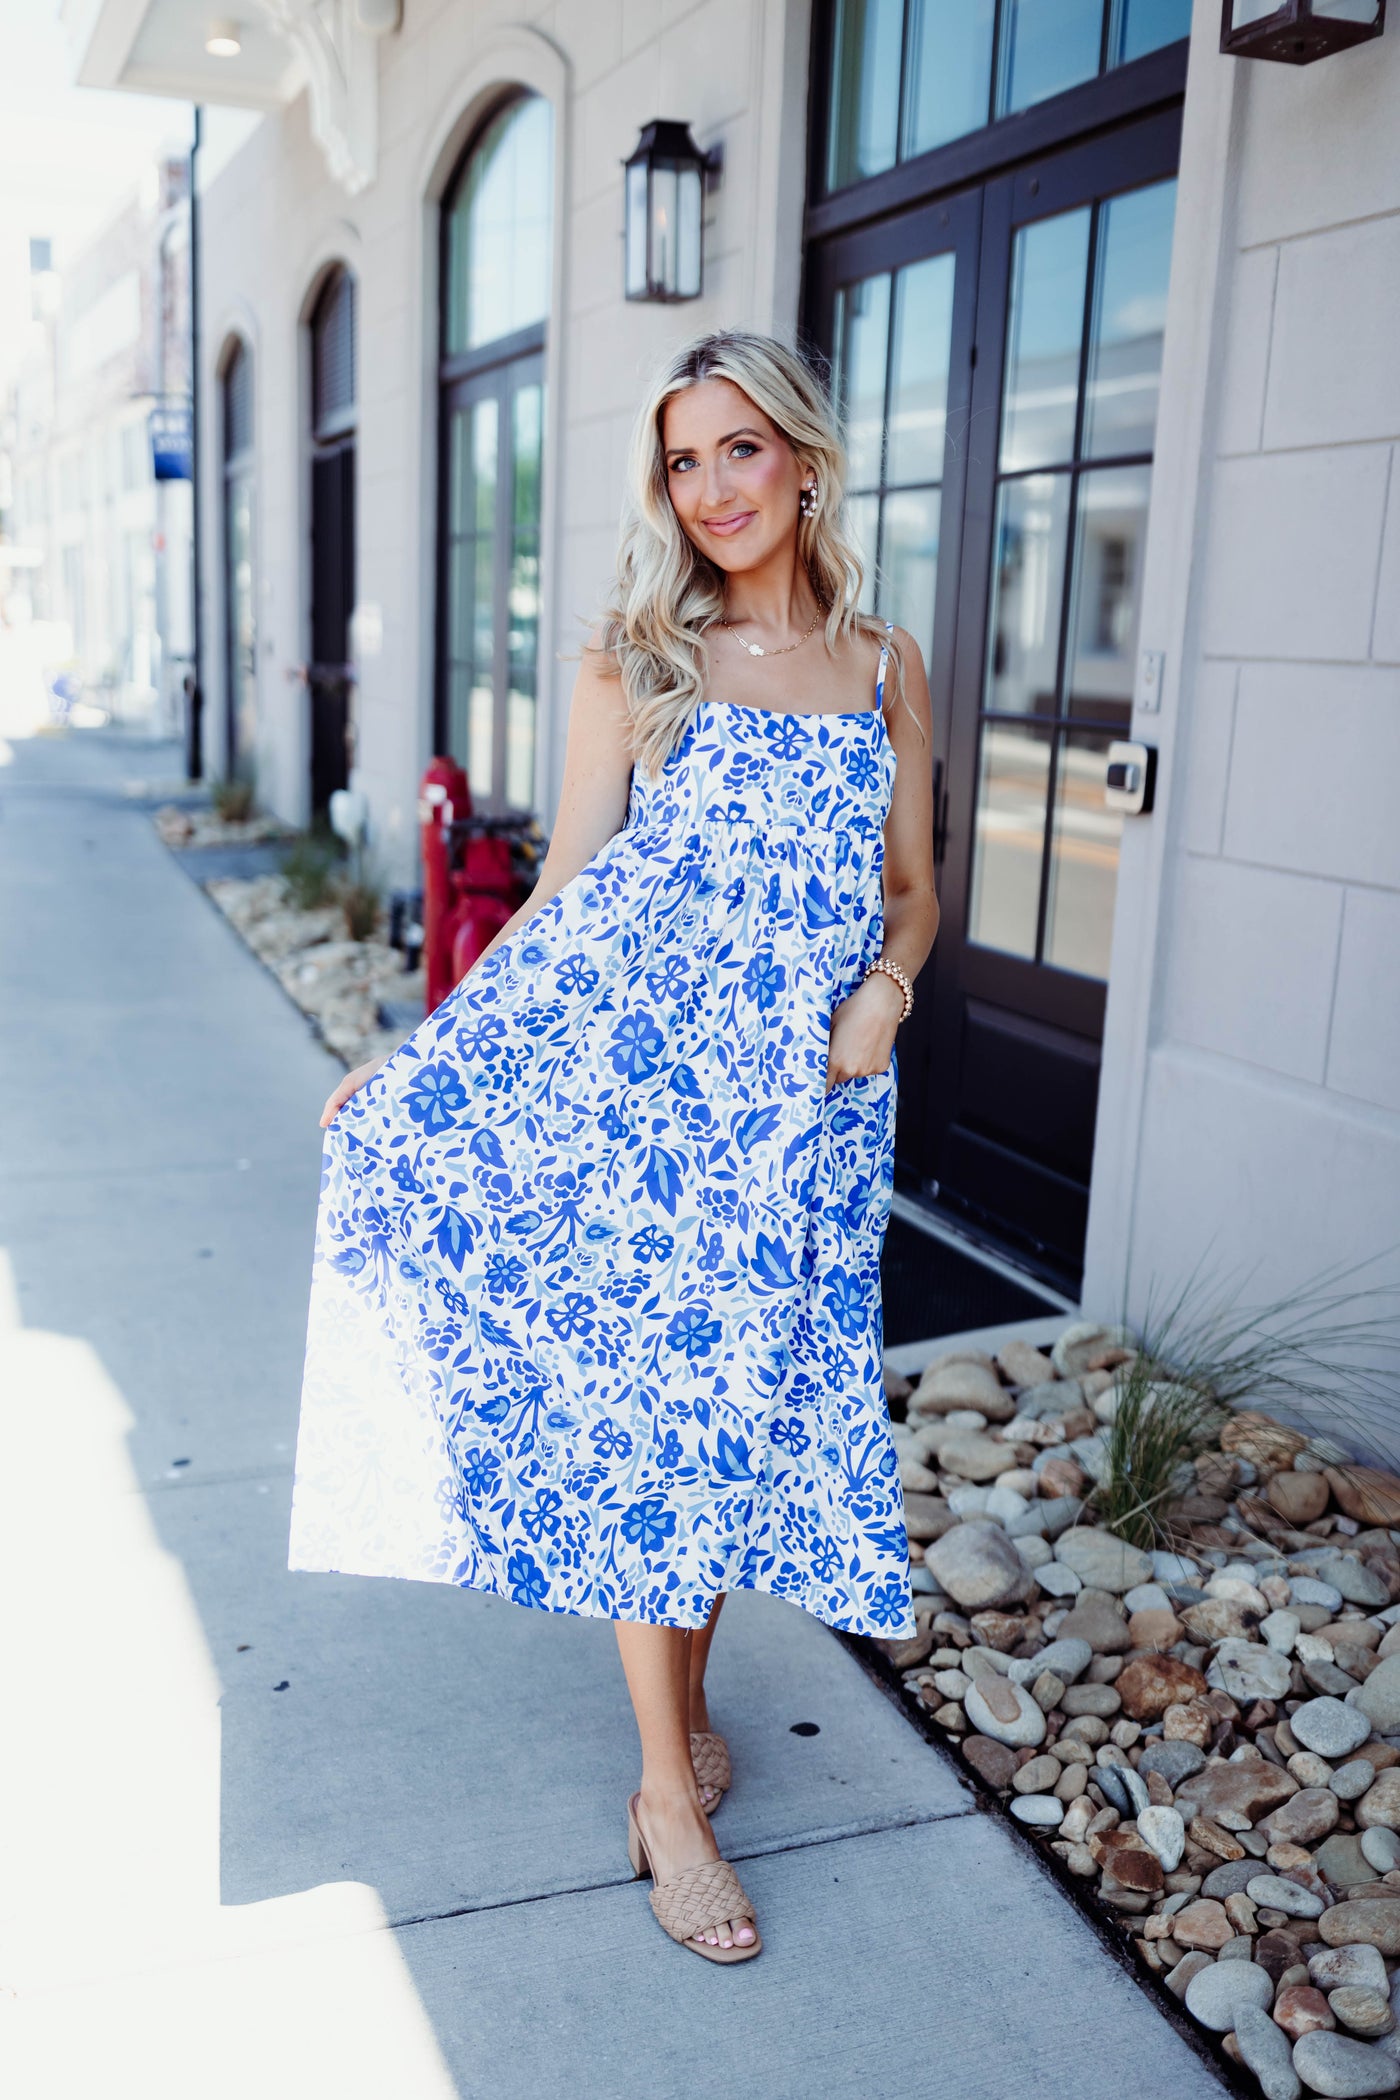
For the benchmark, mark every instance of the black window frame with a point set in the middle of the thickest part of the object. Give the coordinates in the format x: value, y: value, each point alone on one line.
x: 500, y: 367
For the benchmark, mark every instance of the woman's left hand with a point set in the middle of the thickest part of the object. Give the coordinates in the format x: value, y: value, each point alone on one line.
x: 863, y: 1030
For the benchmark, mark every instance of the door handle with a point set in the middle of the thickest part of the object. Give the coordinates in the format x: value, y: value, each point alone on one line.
x: 1131, y: 778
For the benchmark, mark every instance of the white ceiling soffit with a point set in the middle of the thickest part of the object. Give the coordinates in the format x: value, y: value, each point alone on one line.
x: 328, y: 47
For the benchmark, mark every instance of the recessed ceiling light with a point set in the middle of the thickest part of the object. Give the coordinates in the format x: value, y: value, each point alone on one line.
x: 222, y: 39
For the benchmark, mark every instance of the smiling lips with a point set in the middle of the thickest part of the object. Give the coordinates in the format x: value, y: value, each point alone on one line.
x: 724, y: 526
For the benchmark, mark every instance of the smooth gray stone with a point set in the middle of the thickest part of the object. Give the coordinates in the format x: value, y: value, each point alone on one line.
x: 1046, y: 1402
x: 1061, y: 1511
x: 1338, y: 1967
x: 1100, y: 1700
x: 1216, y: 1996
x: 1101, y: 1561
x: 1045, y: 1811
x: 1272, y: 1890
x: 1068, y: 1658
x: 1109, y: 1779
x: 1357, y: 1583
x: 1379, y: 1697
x: 1229, y: 1878
x: 1249, y: 1670
x: 1027, y: 1728
x: 1146, y: 1596
x: 1306, y: 1589
x: 1163, y: 1829
x: 1343, y: 1863
x: 1265, y: 2049
x: 1350, y: 1781
x: 1342, y: 2069
x: 1137, y: 1789
x: 1381, y: 1848
x: 1174, y: 1761
x: 1329, y: 1728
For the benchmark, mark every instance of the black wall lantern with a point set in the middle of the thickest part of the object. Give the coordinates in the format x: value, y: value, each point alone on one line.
x: 1300, y: 30
x: 665, y: 190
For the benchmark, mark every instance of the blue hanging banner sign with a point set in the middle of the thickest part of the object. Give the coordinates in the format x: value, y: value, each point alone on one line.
x: 170, y: 442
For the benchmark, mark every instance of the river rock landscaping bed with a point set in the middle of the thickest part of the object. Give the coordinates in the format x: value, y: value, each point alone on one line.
x: 341, y: 985
x: 183, y: 829
x: 1206, y: 1733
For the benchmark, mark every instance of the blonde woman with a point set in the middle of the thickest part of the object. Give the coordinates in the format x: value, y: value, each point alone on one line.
x: 595, y: 1317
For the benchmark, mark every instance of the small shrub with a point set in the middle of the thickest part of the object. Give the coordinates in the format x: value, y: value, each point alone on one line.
x: 1158, y: 1427
x: 1324, y: 1356
x: 361, y: 902
x: 309, y: 870
x: 234, y: 799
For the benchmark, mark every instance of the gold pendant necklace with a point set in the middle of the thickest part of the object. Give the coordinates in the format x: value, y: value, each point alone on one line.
x: 753, y: 649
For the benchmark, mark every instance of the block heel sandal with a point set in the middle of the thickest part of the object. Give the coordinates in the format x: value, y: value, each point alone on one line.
x: 710, y: 1756
x: 694, y: 1900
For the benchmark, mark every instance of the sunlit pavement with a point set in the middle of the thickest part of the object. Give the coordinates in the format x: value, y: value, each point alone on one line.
x: 284, y: 1835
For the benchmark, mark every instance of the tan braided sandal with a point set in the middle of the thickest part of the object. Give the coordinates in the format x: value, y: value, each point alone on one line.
x: 710, y: 1756
x: 695, y: 1899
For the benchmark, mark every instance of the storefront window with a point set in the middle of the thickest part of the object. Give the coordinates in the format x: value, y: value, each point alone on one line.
x: 907, y: 76
x: 893, y: 344
x: 497, y: 248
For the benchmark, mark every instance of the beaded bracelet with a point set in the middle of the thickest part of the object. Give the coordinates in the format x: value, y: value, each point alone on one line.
x: 892, y: 969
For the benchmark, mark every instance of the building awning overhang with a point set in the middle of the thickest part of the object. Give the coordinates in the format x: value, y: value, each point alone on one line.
x: 327, y: 49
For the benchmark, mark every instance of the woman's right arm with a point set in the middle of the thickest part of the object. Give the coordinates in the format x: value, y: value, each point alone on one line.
x: 592, y: 808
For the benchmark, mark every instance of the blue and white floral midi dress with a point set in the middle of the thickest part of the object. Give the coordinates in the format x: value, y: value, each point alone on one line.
x: 595, y: 1315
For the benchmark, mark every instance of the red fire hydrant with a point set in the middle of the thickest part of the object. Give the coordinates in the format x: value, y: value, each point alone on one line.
x: 470, y: 883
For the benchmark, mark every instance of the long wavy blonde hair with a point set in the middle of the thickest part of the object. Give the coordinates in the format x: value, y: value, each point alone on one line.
x: 668, y: 594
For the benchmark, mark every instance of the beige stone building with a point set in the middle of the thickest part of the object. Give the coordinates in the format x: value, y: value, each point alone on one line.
x: 1113, y: 317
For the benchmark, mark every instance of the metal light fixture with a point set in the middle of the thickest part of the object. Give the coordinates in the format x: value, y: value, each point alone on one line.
x: 665, y: 187
x: 223, y: 38
x: 1298, y: 31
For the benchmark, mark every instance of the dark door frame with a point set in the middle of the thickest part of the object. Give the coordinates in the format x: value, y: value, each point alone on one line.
x: 1117, y: 132
x: 238, y: 471
x: 331, y: 467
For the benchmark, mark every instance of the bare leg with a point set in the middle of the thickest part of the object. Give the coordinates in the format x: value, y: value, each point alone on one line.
x: 656, y: 1660
x: 699, y: 1656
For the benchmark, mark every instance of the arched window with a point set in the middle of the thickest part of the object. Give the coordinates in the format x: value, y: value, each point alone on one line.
x: 332, y: 534
x: 240, y: 602
x: 495, y: 277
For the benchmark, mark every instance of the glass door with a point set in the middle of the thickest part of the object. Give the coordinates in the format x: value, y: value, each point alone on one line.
x: 491, y: 586
x: 897, y: 304
x: 1072, y: 303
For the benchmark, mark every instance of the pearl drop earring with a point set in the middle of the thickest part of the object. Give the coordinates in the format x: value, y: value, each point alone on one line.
x: 808, y: 502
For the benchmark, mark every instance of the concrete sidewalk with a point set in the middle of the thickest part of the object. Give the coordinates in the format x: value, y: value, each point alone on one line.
x: 289, y: 1835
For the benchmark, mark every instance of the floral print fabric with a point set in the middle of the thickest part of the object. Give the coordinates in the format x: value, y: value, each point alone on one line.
x: 595, y: 1315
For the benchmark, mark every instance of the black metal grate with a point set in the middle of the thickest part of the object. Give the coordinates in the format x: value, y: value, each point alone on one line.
x: 931, y: 1288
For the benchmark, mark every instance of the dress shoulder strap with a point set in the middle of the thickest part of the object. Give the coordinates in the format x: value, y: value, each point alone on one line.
x: 884, y: 662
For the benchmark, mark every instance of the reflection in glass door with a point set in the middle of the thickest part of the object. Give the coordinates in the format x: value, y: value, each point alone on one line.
x: 492, y: 579
x: 894, y: 335
x: 1079, y: 407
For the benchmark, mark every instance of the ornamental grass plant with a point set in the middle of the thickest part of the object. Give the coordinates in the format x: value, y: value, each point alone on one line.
x: 1323, y: 1358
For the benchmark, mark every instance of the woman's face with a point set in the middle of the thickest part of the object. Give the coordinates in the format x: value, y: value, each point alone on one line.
x: 735, y: 481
